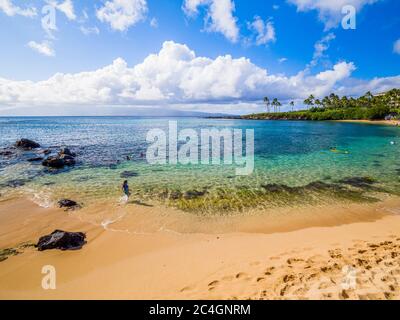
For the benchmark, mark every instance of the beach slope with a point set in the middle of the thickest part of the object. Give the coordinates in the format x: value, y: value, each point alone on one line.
x: 358, y: 260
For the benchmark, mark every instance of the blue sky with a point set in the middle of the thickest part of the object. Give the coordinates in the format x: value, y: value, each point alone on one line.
x: 211, y: 55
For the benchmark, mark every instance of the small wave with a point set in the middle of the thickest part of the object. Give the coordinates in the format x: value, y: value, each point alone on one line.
x: 106, y: 223
x: 41, y: 198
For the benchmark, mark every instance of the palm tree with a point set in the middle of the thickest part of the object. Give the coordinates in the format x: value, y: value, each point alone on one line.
x: 309, y: 101
x: 292, y: 105
x: 369, y: 95
x: 276, y: 104
x: 335, y: 100
x: 267, y: 103
x: 326, y: 102
x: 344, y: 102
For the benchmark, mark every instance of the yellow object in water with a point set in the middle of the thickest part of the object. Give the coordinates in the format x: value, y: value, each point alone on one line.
x: 334, y: 150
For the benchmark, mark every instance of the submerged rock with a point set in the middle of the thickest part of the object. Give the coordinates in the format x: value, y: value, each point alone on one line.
x: 359, y: 182
x: 193, y: 194
x: 54, y: 162
x: 68, y: 160
x: 275, y: 188
x: 67, y: 151
x: 129, y: 174
x: 62, y: 240
x: 320, y: 185
x: 65, y: 157
x: 175, y: 195
x: 16, y: 183
x: 59, y: 162
x: 45, y: 151
x: 69, y: 204
x: 35, y: 159
x: 27, y: 144
x: 6, y: 152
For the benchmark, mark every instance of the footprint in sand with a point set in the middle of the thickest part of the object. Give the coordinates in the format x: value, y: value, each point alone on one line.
x: 269, y: 271
x: 213, y: 283
x: 241, y: 275
x: 294, y: 260
x: 186, y: 289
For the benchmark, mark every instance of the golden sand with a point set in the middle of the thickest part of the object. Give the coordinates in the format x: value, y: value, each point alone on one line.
x: 154, y: 253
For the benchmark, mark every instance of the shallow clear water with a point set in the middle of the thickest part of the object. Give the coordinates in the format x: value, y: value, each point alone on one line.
x: 293, y: 163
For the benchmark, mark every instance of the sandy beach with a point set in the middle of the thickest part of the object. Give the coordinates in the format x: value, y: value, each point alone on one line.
x: 381, y: 122
x: 288, y: 261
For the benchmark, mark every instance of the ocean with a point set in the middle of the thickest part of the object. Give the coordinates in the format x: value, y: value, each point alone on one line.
x: 293, y: 164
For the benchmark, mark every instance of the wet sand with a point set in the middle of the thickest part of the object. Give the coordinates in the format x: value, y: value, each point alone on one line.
x: 154, y: 253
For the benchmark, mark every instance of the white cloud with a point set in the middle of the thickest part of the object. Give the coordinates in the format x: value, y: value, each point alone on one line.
x: 66, y: 7
x: 154, y: 23
x: 122, y: 14
x: 219, y: 16
x: 176, y: 77
x: 275, y: 7
x: 396, y: 47
x: 320, y: 48
x: 89, y: 30
x: 43, y: 48
x: 264, y: 31
x: 282, y: 60
x: 329, y: 11
x: 11, y: 10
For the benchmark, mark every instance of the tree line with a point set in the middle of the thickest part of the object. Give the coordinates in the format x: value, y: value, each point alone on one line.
x: 333, y: 107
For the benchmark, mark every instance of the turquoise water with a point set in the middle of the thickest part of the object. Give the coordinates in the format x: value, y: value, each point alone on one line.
x: 293, y: 163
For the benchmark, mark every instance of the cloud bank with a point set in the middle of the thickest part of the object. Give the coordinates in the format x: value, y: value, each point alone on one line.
x: 177, y: 77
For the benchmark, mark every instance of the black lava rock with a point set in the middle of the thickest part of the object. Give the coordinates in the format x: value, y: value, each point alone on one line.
x: 128, y: 174
x: 27, y: 144
x: 35, y: 159
x: 62, y: 240
x: 67, y: 151
x: 69, y: 204
x: 54, y: 162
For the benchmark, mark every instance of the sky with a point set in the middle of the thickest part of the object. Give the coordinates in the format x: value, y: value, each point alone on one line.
x: 70, y: 57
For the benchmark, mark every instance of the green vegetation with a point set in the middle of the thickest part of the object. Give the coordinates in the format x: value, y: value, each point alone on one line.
x: 367, y: 107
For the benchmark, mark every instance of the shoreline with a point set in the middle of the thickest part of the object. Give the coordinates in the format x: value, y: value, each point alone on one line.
x: 379, y: 122
x: 280, y: 264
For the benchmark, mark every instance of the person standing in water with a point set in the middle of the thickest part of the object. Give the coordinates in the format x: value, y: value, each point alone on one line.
x: 125, y: 188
